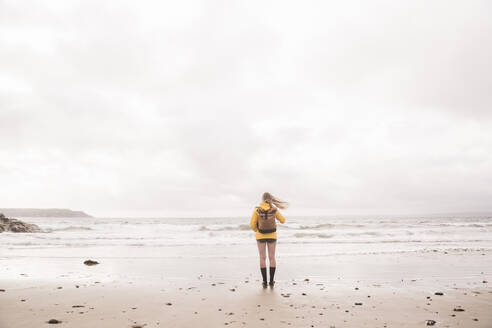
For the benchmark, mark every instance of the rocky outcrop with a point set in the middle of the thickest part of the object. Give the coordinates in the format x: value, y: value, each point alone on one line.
x: 14, y: 225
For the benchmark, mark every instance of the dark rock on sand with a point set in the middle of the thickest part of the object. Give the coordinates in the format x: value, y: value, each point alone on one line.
x: 91, y: 262
x: 14, y: 225
x: 431, y: 322
x: 358, y: 303
x: 2, y: 290
x: 458, y: 310
x: 438, y: 293
x: 54, y: 321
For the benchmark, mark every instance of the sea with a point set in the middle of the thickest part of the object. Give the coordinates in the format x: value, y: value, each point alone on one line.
x: 233, y: 237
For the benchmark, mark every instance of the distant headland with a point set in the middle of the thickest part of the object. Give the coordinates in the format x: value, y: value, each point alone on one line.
x: 43, y: 212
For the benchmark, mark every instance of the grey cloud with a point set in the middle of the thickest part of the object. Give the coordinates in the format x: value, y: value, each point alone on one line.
x: 196, y: 108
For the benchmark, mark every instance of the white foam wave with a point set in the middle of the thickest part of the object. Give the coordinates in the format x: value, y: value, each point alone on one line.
x: 69, y: 228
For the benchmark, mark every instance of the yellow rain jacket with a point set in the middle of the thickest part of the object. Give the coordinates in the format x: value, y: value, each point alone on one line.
x: 254, y: 222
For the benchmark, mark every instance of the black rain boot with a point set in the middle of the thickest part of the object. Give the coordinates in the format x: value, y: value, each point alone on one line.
x: 264, y: 275
x: 272, y: 274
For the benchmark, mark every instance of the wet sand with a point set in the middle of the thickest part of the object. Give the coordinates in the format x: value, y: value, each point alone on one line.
x: 372, y: 290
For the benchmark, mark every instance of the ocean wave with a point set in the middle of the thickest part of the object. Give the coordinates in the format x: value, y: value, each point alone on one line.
x: 229, y: 243
x: 312, y: 235
x: 241, y: 227
x: 463, y: 225
x: 69, y: 228
x: 322, y: 226
x: 317, y: 226
x: 365, y: 233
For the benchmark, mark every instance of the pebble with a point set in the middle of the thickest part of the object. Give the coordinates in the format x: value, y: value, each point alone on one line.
x: 54, y: 321
x: 431, y: 322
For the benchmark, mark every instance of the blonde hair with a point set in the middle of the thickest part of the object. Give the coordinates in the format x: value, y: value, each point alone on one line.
x: 270, y: 199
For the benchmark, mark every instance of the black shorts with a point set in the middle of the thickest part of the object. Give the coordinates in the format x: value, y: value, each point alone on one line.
x: 267, y: 240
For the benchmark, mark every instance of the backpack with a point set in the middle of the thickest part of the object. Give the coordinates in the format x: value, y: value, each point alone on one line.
x: 266, y: 220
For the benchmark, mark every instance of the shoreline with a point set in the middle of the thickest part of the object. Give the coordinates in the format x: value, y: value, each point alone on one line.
x: 123, y: 292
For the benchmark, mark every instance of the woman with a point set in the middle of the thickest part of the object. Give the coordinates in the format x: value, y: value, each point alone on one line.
x: 263, y: 222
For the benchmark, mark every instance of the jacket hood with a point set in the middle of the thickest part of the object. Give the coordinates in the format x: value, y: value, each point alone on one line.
x: 265, y: 206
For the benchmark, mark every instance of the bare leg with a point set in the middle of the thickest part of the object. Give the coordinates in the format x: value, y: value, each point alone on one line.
x: 273, y: 263
x: 271, y: 254
x: 262, y: 251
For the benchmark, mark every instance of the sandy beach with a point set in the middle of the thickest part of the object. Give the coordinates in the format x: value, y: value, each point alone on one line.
x: 365, y: 290
x: 155, y: 153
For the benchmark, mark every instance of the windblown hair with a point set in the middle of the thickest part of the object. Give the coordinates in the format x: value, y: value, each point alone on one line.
x: 270, y: 199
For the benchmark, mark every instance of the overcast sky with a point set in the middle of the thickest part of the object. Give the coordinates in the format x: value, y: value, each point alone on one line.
x: 180, y: 108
